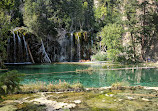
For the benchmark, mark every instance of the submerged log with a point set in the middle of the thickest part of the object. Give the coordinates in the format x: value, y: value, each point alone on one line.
x: 3, y: 69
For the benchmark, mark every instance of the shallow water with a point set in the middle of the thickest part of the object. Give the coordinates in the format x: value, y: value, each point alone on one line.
x: 101, y: 78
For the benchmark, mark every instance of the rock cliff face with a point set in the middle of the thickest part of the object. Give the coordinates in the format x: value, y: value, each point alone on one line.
x: 74, y: 46
x: 64, y: 47
x: 146, y: 14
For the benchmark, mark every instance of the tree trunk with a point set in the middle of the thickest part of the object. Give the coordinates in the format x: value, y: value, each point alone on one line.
x: 30, y: 53
x: 133, y: 44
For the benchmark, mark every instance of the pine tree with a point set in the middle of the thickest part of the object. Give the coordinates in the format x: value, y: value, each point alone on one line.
x: 133, y: 26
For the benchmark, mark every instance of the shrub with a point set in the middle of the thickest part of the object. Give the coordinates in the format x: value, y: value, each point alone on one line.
x: 120, y: 85
x: 9, y: 82
x: 78, y: 86
x: 40, y: 86
x: 113, y: 54
x: 100, y: 56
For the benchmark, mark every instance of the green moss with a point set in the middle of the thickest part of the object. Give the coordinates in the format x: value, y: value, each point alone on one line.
x: 85, y: 35
x: 8, y: 108
x: 95, y: 100
x: 68, y: 97
x: 43, y: 87
x: 78, y: 36
x: 113, y: 65
x: 30, y: 107
x: 102, y: 109
x: 16, y: 96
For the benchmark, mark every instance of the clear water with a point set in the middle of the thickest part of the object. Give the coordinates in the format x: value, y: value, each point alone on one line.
x: 100, y: 78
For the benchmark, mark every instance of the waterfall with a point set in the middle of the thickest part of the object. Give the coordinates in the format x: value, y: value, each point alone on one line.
x: 14, y: 46
x: 79, y: 48
x: 54, y: 54
x: 71, y: 46
x: 65, y: 49
x: 20, y: 47
x: 8, y: 49
x: 91, y: 41
x: 25, y: 44
x: 65, y: 46
x: 46, y: 58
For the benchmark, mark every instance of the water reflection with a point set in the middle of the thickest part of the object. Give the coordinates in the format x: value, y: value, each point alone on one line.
x: 99, y: 78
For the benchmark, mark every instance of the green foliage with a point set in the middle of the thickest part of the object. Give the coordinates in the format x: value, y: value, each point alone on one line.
x: 100, y: 56
x: 106, y: 12
x: 35, y: 17
x: 44, y: 17
x: 113, y: 54
x: 51, y: 87
x: 133, y: 28
x: 6, y: 23
x: 41, y: 16
x: 149, y: 26
x: 111, y: 36
x: 7, y: 4
x: 9, y: 82
x: 78, y: 37
x: 100, y: 12
x: 120, y: 85
x: 4, y: 26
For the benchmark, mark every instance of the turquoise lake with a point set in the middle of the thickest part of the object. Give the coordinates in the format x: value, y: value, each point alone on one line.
x: 100, y: 78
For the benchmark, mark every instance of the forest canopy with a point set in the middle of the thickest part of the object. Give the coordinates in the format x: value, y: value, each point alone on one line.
x: 124, y: 29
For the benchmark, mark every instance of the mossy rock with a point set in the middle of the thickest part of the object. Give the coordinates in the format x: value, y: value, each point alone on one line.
x: 8, y: 108
x: 31, y: 107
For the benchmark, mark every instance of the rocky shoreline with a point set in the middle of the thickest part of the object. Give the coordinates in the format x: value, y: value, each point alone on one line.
x: 132, y: 98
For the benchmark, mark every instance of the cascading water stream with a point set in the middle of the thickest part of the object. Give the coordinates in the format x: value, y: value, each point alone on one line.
x: 71, y: 46
x: 14, y: 47
x: 25, y: 44
x: 65, y: 48
x: 46, y: 58
x: 79, y: 48
x: 91, y: 41
x: 8, y: 49
x: 54, y: 54
x: 20, y: 47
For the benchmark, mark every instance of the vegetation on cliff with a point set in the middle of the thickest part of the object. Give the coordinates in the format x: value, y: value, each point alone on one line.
x: 125, y: 30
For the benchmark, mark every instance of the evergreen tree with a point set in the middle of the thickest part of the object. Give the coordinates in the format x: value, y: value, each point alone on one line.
x: 6, y: 23
x: 149, y: 27
x: 133, y: 26
x: 36, y: 18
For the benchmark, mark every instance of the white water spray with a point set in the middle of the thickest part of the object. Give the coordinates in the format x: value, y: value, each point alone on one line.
x: 46, y: 58
x: 14, y: 46
x: 71, y: 46
x: 79, y: 48
x: 25, y: 44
